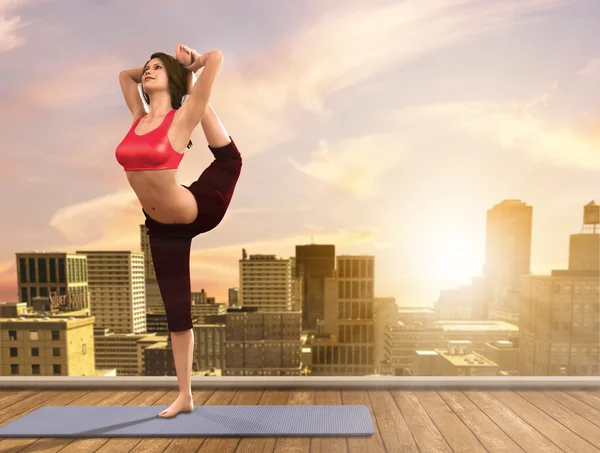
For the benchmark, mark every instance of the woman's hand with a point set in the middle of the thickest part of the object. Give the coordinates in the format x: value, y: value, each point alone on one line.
x: 184, y: 55
x: 192, y: 60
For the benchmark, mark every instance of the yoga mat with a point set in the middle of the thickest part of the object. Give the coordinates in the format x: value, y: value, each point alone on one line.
x: 204, y: 421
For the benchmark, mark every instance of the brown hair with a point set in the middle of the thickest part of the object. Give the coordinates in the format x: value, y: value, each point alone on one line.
x: 177, y: 76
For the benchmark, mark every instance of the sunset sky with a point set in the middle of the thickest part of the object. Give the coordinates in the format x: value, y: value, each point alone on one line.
x: 386, y: 128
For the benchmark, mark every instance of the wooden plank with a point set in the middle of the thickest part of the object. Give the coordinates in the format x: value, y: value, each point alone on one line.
x: 296, y: 444
x: 563, y: 437
x: 488, y: 433
x: 422, y: 427
x: 25, y: 405
x: 457, y: 434
x: 334, y: 444
x: 372, y: 444
x: 587, y: 397
x: 8, y: 397
x: 563, y: 415
x: 264, y: 444
x: 579, y: 407
x: 514, y: 426
x: 42, y: 398
x: 11, y: 396
x: 125, y: 444
x: 394, y: 431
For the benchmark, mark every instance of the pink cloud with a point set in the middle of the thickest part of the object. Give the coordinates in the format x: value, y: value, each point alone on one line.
x: 79, y: 81
x: 10, y: 25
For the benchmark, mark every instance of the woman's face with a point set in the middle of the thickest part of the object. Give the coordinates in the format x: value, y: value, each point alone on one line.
x: 154, y: 76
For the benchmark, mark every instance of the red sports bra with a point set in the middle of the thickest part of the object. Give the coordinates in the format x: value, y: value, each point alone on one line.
x: 150, y: 151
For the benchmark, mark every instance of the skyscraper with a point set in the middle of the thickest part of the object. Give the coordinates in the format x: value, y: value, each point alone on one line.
x: 314, y: 263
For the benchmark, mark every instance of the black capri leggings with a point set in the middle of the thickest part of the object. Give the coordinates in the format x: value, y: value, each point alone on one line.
x: 170, y: 244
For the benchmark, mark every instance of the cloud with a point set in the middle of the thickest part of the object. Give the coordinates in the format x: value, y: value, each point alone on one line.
x: 112, y: 221
x: 79, y: 82
x: 10, y: 25
x: 260, y: 99
x: 354, y: 166
x: 591, y: 70
x: 515, y: 126
x: 103, y: 219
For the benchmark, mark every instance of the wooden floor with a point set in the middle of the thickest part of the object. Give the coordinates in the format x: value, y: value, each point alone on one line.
x: 405, y: 421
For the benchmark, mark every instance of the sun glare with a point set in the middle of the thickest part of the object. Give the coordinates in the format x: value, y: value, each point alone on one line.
x: 454, y: 258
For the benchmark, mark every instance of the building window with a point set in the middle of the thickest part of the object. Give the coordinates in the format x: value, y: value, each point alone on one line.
x: 55, y: 352
x: 22, y: 270
x: 14, y: 352
x: 42, y: 270
x: 35, y: 369
x: 55, y: 335
x: 31, y: 262
x: 14, y: 368
x: 34, y: 335
x: 12, y: 334
x: 56, y: 369
x: 35, y: 352
x: 53, y: 270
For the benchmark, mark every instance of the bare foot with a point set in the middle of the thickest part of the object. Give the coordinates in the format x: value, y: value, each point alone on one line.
x: 183, y: 403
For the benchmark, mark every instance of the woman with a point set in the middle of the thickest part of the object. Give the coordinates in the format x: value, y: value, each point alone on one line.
x: 150, y: 155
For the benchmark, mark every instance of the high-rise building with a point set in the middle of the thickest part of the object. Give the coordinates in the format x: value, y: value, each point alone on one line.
x: 259, y: 343
x: 314, y: 263
x: 209, y: 346
x: 55, y: 275
x: 507, y: 251
x: 122, y: 351
x: 265, y: 283
x: 346, y: 347
x: 508, y: 242
x: 560, y: 313
x: 385, y: 312
x: 117, y: 290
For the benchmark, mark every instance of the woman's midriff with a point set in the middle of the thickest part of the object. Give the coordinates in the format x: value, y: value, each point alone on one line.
x: 162, y: 197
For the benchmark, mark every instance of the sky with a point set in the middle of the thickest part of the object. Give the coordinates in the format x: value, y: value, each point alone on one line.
x: 386, y: 128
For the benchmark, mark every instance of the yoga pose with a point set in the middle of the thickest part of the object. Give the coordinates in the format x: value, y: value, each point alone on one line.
x: 150, y: 154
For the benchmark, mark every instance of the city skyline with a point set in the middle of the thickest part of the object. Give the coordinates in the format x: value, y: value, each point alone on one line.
x: 421, y: 138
